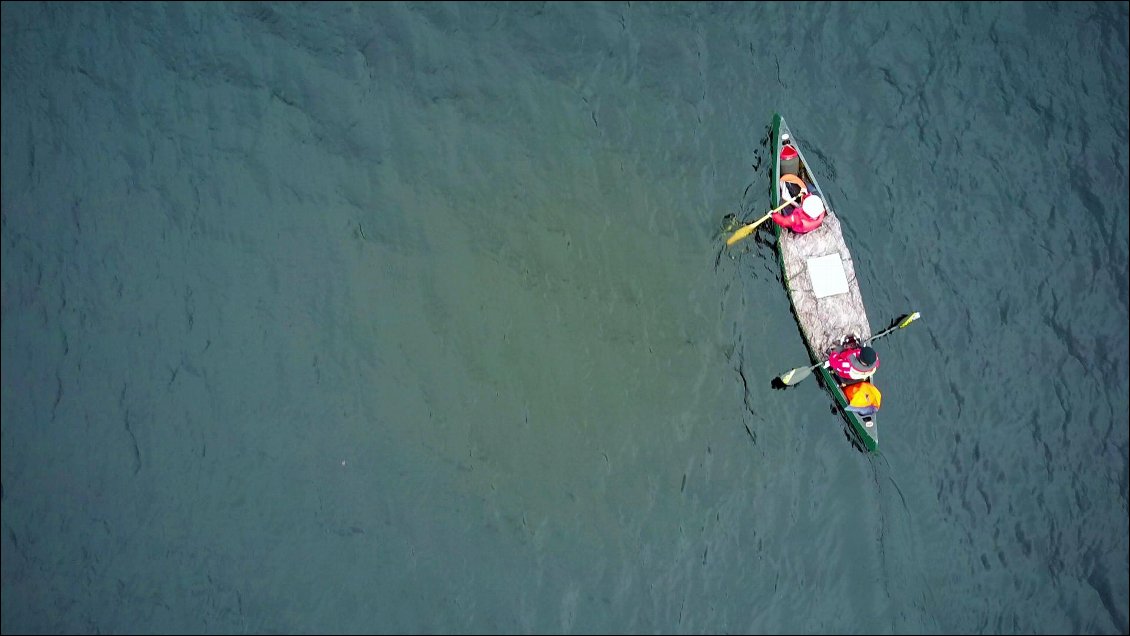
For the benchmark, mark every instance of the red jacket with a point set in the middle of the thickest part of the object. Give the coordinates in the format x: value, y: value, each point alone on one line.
x: 840, y: 363
x: 798, y: 221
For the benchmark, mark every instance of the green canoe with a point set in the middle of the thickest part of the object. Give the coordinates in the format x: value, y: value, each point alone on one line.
x: 820, y: 277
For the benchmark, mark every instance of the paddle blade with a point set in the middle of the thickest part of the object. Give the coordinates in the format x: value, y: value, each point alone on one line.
x: 796, y: 375
x: 909, y: 319
x: 741, y: 233
x: 747, y: 230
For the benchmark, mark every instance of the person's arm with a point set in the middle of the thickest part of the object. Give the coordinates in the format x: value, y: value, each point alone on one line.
x: 840, y: 364
x: 784, y: 221
x: 837, y: 358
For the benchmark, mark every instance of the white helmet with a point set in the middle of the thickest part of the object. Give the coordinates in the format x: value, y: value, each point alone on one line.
x: 813, y: 206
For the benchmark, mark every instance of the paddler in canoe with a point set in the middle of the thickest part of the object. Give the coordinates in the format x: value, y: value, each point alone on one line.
x: 854, y: 365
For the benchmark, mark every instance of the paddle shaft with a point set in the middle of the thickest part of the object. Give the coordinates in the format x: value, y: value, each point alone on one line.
x: 899, y: 325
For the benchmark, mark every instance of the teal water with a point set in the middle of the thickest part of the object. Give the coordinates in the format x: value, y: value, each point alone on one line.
x: 415, y: 318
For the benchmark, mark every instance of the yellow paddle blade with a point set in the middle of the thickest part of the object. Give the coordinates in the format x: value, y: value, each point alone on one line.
x: 787, y: 378
x: 741, y: 233
x: 796, y: 375
x: 747, y: 230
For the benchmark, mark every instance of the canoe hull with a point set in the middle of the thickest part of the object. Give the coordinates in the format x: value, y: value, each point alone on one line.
x: 823, y: 317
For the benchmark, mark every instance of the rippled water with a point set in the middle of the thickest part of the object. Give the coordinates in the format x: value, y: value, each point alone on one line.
x: 416, y: 318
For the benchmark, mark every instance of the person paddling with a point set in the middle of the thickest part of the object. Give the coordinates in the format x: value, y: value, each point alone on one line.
x: 854, y: 363
x: 805, y: 218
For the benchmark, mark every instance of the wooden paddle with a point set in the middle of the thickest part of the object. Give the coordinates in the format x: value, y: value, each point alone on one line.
x: 746, y: 230
x: 794, y: 376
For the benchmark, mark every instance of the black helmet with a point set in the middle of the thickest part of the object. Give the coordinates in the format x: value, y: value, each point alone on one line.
x: 865, y: 360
